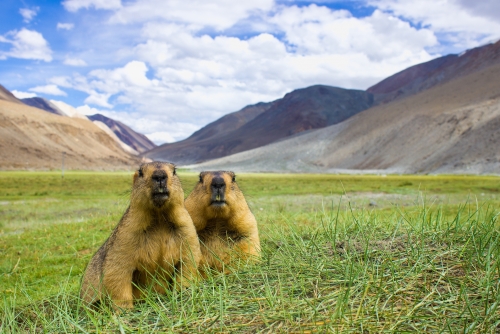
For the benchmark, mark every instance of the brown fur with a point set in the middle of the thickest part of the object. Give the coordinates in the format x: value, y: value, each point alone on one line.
x: 226, y: 227
x: 154, y: 243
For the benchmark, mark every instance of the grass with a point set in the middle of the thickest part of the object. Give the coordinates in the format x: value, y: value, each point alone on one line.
x: 340, y: 254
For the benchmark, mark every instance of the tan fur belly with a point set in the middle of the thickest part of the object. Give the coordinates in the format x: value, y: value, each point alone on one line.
x: 156, y: 261
x: 216, y: 252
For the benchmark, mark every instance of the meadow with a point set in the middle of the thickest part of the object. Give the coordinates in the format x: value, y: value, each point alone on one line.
x: 341, y: 253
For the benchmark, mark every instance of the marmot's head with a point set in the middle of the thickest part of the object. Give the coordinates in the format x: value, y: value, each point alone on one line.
x: 218, y: 191
x: 155, y: 184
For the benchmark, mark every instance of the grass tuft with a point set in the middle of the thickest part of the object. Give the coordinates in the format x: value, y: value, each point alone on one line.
x: 417, y: 261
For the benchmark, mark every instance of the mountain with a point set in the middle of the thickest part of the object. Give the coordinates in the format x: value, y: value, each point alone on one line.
x: 31, y: 138
x: 440, y: 70
x: 228, y: 123
x: 451, y: 127
x: 297, y: 112
x: 67, y: 110
x: 110, y: 132
x: 135, y: 140
x: 41, y: 103
x: 130, y: 141
x: 6, y: 95
x: 197, y: 146
x: 55, y: 107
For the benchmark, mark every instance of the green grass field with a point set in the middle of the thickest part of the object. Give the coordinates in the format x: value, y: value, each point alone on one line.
x: 341, y: 253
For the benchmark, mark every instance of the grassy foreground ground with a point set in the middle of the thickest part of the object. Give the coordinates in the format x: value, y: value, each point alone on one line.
x: 340, y: 254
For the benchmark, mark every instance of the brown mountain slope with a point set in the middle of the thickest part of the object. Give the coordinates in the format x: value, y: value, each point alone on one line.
x: 301, y: 110
x: 137, y: 141
x: 41, y: 103
x: 229, y: 123
x: 426, y: 75
x: 6, y: 95
x: 31, y: 138
x: 197, y: 146
x: 131, y: 141
x: 452, y: 127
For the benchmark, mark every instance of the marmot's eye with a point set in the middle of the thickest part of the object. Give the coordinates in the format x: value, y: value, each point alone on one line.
x: 141, y: 174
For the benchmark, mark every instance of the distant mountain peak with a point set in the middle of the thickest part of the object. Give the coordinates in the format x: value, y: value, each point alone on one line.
x: 297, y: 112
x: 434, y: 72
x: 67, y: 110
x: 130, y: 141
x: 125, y: 134
x: 6, y: 95
x: 41, y: 103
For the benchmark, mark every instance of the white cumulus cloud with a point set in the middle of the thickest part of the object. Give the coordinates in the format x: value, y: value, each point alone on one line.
x: 87, y: 110
x: 26, y: 44
x: 172, y: 66
x: 183, y: 79
x: 484, y: 8
x: 23, y: 95
x: 219, y: 14
x: 48, y: 89
x: 28, y: 14
x: 98, y: 99
x: 161, y: 137
x: 75, y: 5
x: 65, y: 26
x: 459, y: 22
x: 133, y: 73
x: 74, y: 62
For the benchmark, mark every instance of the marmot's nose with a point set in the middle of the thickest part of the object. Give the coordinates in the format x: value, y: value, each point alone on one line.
x: 160, y: 178
x: 218, y: 183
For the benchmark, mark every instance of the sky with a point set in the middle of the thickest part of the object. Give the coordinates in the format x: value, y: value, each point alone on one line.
x: 166, y: 68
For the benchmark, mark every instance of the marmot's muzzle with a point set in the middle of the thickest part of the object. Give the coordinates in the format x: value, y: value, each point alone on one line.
x: 160, y: 190
x: 218, y: 188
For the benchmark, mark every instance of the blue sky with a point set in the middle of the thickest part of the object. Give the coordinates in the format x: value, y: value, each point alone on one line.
x: 168, y: 67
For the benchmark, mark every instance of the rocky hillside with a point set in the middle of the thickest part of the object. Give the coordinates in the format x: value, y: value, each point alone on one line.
x: 31, y: 138
x: 130, y: 141
x: 6, y: 95
x: 299, y: 111
x: 41, y: 103
x: 439, y: 116
x: 449, y: 128
x: 137, y: 141
x: 437, y: 71
x: 198, y: 146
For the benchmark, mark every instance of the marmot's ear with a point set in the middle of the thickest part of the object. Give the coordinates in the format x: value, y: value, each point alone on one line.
x: 201, y: 177
x: 175, y: 170
x: 138, y: 173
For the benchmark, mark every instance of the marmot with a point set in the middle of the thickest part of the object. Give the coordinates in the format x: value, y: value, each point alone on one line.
x: 154, y: 243
x: 225, y: 225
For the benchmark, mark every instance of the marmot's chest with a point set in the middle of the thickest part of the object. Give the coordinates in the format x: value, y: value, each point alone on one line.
x: 159, y: 247
x: 220, y: 229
